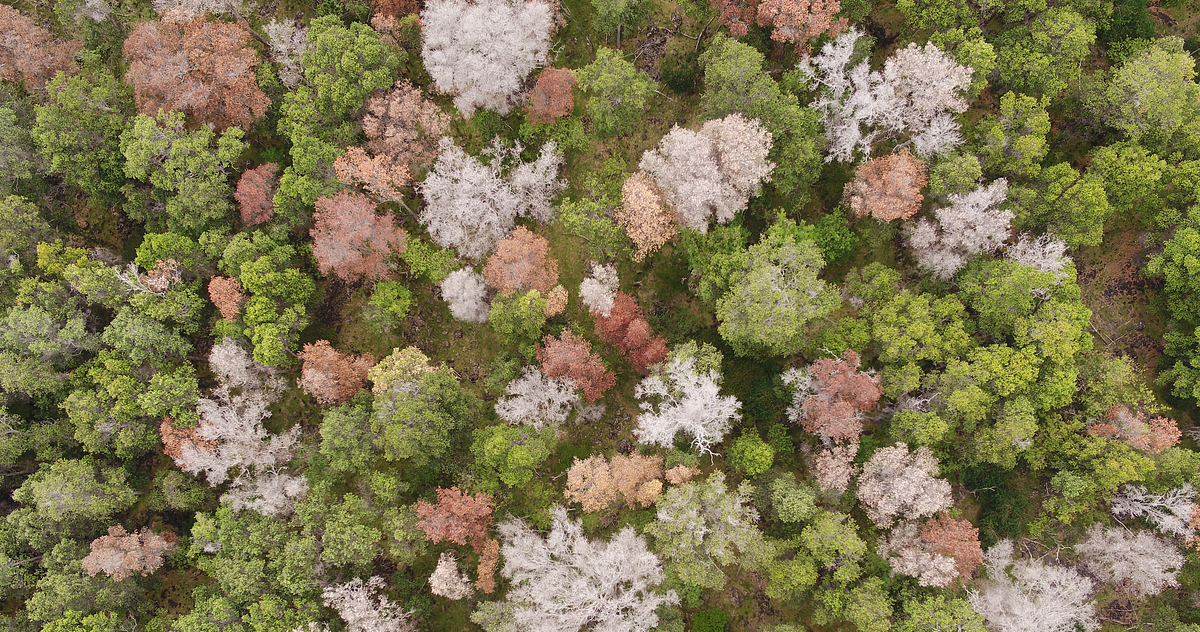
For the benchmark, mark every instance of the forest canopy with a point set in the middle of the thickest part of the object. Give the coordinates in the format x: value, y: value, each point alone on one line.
x: 612, y: 315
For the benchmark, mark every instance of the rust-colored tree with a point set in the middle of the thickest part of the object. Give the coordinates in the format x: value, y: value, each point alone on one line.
x: 832, y: 400
x: 457, y: 517
x: 187, y: 63
x: 798, y: 21
x: 487, y: 567
x: 404, y: 127
x: 350, y: 240
x: 551, y: 96
x: 226, y: 293
x: 395, y: 8
x: 381, y: 176
x: 256, y: 193
x: 174, y: 438
x: 520, y: 264
x: 630, y: 333
x: 644, y: 216
x: 955, y: 538
x: 120, y: 555
x: 29, y: 52
x: 736, y: 15
x: 571, y: 356
x: 330, y: 376
x: 888, y: 187
x: 1122, y: 424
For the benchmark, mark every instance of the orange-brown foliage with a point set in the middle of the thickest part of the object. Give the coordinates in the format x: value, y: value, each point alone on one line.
x: 379, y: 175
x: 556, y: 301
x: 457, y: 517
x: 571, y: 356
x: 255, y: 194
x: 1121, y: 424
x: 597, y: 484
x: 404, y: 127
x: 736, y: 15
x: 681, y: 474
x: 195, y: 66
x: 487, y: 567
x: 590, y: 483
x: 226, y: 293
x: 350, y: 240
x: 644, y: 216
x: 630, y: 333
x: 797, y: 21
x: 888, y: 187
x: 29, y: 52
x: 330, y: 376
x: 520, y: 264
x: 551, y: 96
x: 956, y: 538
x: 174, y: 439
x: 396, y: 8
x: 841, y: 394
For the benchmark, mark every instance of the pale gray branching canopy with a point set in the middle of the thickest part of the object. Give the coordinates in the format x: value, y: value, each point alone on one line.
x: 679, y: 398
x: 1170, y: 513
x: 711, y: 172
x: 481, y: 51
x: 471, y: 206
x: 913, y: 99
x: 1032, y: 596
x: 1044, y: 254
x: 447, y: 581
x: 288, y: 43
x: 1138, y: 563
x: 911, y: 556
x: 230, y: 435
x: 972, y: 224
x: 363, y: 609
x: 599, y: 291
x: 536, y: 400
x: 895, y: 483
x: 565, y: 581
x: 466, y: 292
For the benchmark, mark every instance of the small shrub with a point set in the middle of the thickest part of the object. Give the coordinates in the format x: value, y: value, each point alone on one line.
x: 710, y: 621
x: 751, y: 455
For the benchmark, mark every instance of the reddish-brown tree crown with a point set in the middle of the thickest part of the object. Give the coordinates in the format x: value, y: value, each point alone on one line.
x: 350, y: 240
x: 457, y: 517
x: 630, y: 333
x: 888, y: 187
x: 121, y: 555
x: 255, y: 194
x: 330, y: 376
x: 955, y: 538
x: 29, y: 52
x: 797, y: 21
x: 226, y: 293
x: 644, y: 216
x: 404, y: 127
x: 571, y: 356
x: 520, y: 264
x: 841, y: 394
x: 551, y: 96
x: 195, y: 66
